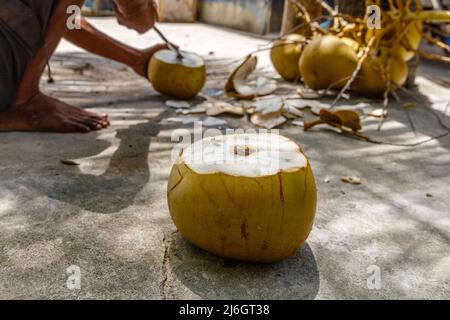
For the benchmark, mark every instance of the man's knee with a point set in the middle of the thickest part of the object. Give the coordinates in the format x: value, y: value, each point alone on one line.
x: 13, y: 62
x: 6, y: 97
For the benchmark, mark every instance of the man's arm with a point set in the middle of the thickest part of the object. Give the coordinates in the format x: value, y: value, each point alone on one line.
x: 95, y: 41
x: 139, y: 15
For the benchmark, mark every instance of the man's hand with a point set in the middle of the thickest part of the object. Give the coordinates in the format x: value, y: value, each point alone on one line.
x: 141, y: 63
x: 139, y: 15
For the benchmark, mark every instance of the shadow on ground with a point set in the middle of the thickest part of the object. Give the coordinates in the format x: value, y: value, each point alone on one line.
x: 128, y: 172
x: 211, y: 277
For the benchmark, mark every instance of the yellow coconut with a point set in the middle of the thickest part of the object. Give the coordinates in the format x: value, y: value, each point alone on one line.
x: 371, y: 80
x: 181, y: 78
x: 248, y: 197
x: 285, y: 55
x: 327, y: 62
x: 410, y: 41
x: 352, y: 43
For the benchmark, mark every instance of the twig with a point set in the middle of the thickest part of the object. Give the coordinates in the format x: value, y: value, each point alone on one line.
x: 355, y: 73
x: 427, y: 55
x: 438, y: 31
x: 436, y: 42
x: 385, y: 108
x: 327, y: 7
x: 408, y: 5
x: 302, y: 8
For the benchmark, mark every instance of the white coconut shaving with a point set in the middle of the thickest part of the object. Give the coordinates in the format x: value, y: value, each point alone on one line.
x: 189, y: 59
x: 245, y: 155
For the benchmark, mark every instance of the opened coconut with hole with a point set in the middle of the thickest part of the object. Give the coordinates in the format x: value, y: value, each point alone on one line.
x: 248, y: 197
x: 179, y: 75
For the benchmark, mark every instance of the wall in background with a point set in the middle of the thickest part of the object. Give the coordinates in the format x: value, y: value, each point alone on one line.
x: 178, y: 10
x: 257, y: 16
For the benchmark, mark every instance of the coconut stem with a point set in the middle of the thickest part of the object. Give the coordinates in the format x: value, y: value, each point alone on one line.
x: 436, y: 16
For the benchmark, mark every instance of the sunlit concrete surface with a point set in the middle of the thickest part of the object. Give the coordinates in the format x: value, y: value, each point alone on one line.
x: 109, y: 215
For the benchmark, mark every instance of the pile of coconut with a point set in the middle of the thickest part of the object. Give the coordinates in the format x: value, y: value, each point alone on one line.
x: 349, y: 57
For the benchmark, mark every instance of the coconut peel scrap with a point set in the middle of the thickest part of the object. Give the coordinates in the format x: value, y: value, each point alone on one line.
x: 194, y: 110
x: 220, y: 107
x: 269, y: 121
x: 239, y: 85
x: 177, y: 104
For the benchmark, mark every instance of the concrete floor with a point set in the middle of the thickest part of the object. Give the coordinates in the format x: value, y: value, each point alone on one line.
x: 109, y: 215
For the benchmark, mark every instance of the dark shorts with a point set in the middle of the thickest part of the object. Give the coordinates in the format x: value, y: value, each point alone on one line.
x: 22, y: 29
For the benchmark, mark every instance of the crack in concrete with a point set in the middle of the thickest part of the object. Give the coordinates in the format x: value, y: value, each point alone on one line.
x: 167, y: 242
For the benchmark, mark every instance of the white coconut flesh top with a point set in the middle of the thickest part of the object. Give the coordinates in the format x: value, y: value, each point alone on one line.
x: 189, y: 59
x: 245, y: 155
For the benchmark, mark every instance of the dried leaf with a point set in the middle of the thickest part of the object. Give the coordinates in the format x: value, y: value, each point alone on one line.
x: 351, y: 179
x: 346, y: 118
x: 349, y: 119
x: 330, y: 117
x: 338, y: 119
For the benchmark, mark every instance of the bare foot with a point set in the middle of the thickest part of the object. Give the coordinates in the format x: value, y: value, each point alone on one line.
x: 145, y: 55
x: 46, y: 114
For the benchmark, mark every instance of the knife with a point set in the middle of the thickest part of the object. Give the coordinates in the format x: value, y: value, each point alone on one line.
x: 169, y: 43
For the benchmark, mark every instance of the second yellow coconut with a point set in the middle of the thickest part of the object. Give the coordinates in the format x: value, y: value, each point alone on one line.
x: 285, y: 55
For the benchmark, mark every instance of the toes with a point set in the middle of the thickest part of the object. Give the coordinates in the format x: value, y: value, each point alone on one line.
x: 91, y: 123
x: 94, y: 123
x: 103, y: 122
x: 85, y: 113
x: 74, y: 126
